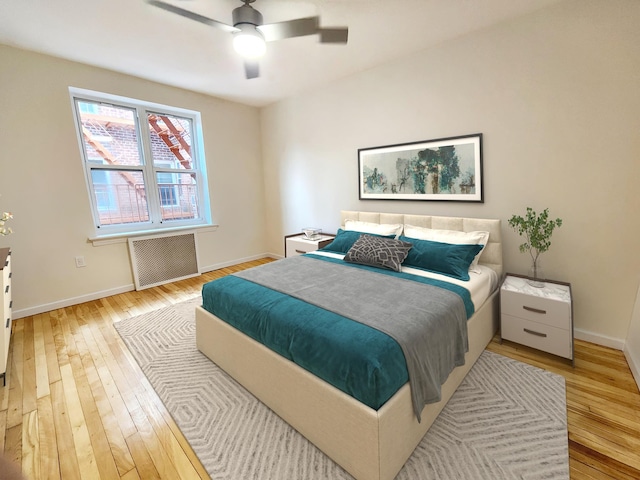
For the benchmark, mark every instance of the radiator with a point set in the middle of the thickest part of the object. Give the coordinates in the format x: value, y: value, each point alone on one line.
x: 159, y: 259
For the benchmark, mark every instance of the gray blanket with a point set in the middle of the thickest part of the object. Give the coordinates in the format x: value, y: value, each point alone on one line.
x: 429, y: 323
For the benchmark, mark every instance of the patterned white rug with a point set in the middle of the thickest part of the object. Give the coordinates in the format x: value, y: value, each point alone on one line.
x: 506, y: 421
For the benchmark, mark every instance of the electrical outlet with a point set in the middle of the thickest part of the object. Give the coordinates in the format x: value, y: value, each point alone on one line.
x: 80, y: 262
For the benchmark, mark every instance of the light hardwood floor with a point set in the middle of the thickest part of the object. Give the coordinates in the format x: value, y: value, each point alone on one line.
x: 76, y: 405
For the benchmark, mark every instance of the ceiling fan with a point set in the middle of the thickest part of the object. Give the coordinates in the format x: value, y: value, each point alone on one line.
x: 250, y: 34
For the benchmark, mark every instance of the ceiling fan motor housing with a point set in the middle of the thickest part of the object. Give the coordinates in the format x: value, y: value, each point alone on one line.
x: 246, y: 14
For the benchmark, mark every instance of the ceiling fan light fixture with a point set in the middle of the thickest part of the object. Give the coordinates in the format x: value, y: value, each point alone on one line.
x: 251, y: 33
x: 249, y: 42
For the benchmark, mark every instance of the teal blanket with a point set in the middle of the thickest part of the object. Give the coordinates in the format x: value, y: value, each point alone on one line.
x: 361, y: 361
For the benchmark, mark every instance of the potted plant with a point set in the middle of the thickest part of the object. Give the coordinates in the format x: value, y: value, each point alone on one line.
x: 537, y: 230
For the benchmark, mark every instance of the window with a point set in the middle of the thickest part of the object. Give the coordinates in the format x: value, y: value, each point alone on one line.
x: 144, y: 163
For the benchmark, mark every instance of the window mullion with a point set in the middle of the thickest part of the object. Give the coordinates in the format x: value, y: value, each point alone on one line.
x: 155, y: 210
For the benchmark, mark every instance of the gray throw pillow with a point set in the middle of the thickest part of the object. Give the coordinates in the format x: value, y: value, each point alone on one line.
x: 378, y: 252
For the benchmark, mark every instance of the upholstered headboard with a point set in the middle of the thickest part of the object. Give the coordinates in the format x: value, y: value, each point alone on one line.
x: 492, y: 254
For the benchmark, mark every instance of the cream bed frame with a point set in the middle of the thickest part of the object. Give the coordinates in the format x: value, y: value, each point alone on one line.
x: 369, y: 444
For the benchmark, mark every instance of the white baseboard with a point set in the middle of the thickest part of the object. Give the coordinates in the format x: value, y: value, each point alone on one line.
x: 599, y: 339
x: 67, y: 302
x: 218, y: 266
x: 634, y: 364
x: 47, y: 307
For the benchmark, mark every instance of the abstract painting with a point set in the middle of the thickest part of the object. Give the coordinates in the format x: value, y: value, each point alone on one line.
x: 441, y: 169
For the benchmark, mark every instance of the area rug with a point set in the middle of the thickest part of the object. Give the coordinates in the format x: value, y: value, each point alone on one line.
x: 507, y: 420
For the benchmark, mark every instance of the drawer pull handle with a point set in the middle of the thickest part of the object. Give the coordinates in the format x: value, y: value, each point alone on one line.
x: 300, y: 251
x: 8, y: 322
x: 6, y: 290
x: 535, y: 310
x: 533, y: 332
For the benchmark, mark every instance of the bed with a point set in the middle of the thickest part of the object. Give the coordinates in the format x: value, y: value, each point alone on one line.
x: 368, y: 443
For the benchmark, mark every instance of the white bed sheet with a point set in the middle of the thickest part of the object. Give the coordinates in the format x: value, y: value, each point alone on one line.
x: 480, y: 284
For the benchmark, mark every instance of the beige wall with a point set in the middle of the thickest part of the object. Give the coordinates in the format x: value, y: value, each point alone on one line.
x: 42, y: 180
x: 556, y: 95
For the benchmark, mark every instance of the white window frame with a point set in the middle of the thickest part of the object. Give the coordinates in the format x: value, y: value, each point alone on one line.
x: 147, y: 166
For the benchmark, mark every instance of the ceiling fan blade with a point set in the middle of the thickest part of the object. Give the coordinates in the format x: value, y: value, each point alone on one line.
x: 334, y: 35
x: 251, y: 69
x: 193, y: 16
x: 290, y: 28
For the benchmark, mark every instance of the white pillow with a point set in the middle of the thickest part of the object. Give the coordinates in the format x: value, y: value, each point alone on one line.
x: 454, y: 237
x: 375, y: 228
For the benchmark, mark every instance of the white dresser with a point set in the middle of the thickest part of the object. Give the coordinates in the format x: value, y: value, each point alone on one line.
x: 539, y: 317
x: 5, y: 308
x: 297, y: 244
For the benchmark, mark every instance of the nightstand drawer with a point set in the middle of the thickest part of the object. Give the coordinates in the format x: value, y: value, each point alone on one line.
x: 537, y: 309
x: 297, y: 244
x: 537, y: 335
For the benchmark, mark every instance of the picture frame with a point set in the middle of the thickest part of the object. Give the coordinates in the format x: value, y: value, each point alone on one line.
x: 444, y: 169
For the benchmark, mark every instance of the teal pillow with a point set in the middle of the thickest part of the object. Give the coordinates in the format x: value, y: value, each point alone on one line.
x: 345, y: 239
x: 444, y: 258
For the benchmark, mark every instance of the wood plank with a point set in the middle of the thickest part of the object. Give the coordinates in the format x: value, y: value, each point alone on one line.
x: 154, y: 446
x: 100, y: 448
x: 55, y: 318
x: 67, y: 335
x: 68, y: 460
x: 14, y: 407
x: 601, y: 462
x: 48, y: 445
x: 3, y: 428
x: 42, y: 369
x: 30, y: 445
x: 132, y: 475
x: 585, y: 472
x: 13, y: 445
x: 53, y: 369
x: 621, y: 449
x: 29, y: 395
x: 83, y: 449
x: 144, y: 464
x: 114, y: 435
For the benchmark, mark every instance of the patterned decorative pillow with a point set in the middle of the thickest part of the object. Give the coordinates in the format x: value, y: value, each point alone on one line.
x: 378, y: 252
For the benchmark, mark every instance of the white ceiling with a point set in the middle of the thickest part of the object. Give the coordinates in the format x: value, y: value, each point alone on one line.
x: 133, y: 37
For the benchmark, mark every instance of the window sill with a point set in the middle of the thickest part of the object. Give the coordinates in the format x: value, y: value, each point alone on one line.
x: 124, y: 237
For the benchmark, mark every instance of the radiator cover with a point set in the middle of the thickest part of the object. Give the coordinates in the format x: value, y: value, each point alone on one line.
x: 164, y: 258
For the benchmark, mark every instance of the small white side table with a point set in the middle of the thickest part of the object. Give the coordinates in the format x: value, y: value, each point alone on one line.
x: 539, y: 317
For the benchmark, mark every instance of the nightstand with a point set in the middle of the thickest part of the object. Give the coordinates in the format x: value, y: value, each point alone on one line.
x: 539, y: 317
x: 297, y: 244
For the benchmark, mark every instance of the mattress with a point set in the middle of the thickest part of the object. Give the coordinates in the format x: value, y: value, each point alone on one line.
x: 361, y: 361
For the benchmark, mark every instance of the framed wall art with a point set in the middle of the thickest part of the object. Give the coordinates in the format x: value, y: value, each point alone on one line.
x: 441, y: 169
